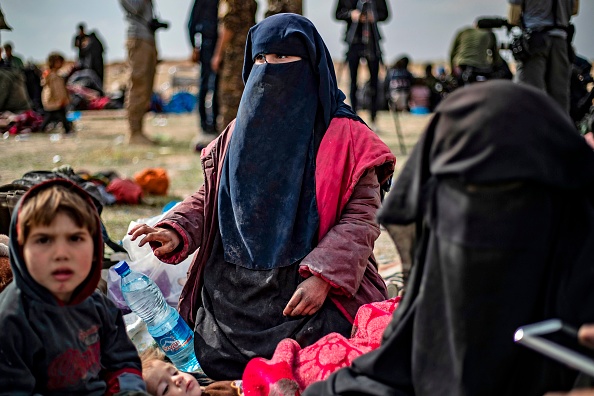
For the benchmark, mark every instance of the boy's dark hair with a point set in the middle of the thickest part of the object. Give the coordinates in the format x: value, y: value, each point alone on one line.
x: 8, y: 45
x: 42, y: 208
x: 53, y: 58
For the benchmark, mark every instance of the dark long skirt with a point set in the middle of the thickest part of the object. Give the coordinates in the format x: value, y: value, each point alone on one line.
x: 241, y: 316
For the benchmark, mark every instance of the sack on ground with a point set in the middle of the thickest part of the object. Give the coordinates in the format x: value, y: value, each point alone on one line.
x: 169, y: 278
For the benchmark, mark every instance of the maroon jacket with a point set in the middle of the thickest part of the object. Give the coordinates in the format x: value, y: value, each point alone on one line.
x: 351, y: 164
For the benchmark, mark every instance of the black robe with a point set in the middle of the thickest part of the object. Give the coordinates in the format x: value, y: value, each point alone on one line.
x: 500, y: 188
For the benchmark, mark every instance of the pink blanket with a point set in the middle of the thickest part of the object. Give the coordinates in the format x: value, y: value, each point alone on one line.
x: 292, y: 369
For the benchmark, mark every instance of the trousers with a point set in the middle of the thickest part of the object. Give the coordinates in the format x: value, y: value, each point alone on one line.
x: 142, y: 59
x: 548, y: 69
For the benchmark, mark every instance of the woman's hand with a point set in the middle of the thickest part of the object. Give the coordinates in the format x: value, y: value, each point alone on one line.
x: 161, y: 240
x: 308, y: 298
x: 586, y: 335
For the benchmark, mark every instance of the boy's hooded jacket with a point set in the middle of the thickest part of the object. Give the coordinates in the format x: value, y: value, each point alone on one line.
x: 51, y: 348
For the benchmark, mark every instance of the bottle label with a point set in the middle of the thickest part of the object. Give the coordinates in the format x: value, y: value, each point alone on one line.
x: 173, y: 341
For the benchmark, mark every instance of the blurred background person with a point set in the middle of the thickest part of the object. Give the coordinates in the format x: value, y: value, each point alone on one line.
x: 142, y: 59
x: 284, y: 6
x: 78, y: 38
x: 473, y: 54
x: 11, y: 60
x: 548, y: 66
x: 203, y: 33
x: 362, y: 37
x: 236, y: 18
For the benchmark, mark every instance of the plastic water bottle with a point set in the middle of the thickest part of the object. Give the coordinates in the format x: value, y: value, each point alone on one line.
x: 169, y: 330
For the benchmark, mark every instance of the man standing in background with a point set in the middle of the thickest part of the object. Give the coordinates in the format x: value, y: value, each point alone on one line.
x: 77, y: 40
x: 142, y: 58
x: 202, y: 29
x: 474, y: 52
x: 236, y: 18
x: 548, y: 66
x: 283, y: 6
x: 10, y: 60
x: 362, y: 37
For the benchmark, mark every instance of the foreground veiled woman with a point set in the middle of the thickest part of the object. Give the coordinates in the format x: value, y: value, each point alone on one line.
x: 285, y: 221
x: 500, y: 187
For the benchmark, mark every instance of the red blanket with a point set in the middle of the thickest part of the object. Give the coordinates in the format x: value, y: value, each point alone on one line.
x: 292, y: 369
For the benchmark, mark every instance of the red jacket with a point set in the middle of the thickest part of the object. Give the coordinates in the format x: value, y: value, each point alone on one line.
x: 344, y: 254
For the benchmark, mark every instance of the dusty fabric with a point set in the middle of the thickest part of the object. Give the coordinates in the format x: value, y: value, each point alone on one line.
x: 501, y: 195
x: 293, y: 368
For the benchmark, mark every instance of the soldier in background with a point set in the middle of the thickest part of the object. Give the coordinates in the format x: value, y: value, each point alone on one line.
x: 203, y: 32
x: 236, y: 17
x: 281, y: 6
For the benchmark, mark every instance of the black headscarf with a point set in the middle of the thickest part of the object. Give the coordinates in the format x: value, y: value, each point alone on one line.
x: 267, y: 209
x: 500, y: 187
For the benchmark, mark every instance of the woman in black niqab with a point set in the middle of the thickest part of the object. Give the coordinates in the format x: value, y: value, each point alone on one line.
x: 500, y: 187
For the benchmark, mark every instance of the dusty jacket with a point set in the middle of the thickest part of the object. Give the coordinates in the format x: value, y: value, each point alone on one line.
x: 54, y: 95
x: 342, y: 257
x: 52, y: 348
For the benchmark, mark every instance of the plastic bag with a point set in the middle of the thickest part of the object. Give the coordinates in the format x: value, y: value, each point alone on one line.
x: 169, y: 278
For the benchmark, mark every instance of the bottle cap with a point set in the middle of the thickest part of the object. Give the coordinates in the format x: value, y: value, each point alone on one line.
x: 121, y: 267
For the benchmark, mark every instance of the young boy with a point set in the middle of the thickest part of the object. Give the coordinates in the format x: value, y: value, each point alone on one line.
x: 59, y: 335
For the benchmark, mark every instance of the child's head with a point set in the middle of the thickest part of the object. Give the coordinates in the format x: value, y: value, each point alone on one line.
x: 163, y: 379
x: 55, y: 61
x: 57, y: 233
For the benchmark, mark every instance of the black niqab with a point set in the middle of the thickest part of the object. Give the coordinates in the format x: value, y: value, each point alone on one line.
x: 500, y: 188
x: 267, y: 205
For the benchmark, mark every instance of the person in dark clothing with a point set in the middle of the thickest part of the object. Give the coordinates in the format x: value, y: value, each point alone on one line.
x: 434, y: 85
x: 504, y: 238
x: 399, y: 81
x: 91, y: 55
x: 61, y: 336
x: 284, y: 222
x: 77, y: 40
x: 203, y: 33
x: 363, y: 39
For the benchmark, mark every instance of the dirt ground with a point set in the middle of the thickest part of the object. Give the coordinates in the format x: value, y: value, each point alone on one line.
x: 98, y: 146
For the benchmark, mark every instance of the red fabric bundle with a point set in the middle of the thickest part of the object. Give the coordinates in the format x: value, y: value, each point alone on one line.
x: 153, y: 181
x: 125, y: 191
x: 292, y: 369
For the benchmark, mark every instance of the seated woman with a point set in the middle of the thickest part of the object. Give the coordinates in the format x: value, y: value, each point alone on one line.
x: 501, y: 190
x: 285, y: 221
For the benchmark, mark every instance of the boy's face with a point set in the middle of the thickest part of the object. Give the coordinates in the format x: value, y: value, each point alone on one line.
x: 163, y: 379
x: 59, y: 256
